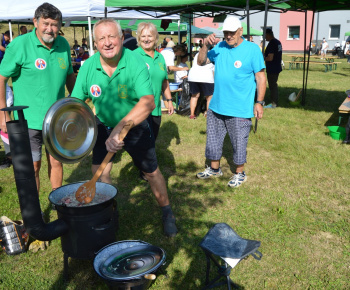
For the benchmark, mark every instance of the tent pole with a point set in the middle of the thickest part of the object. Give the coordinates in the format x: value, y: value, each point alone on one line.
x: 190, y: 42
x: 248, y: 21
x: 308, y: 60
x: 10, y: 28
x: 264, y: 29
x: 318, y: 20
x: 178, y: 32
x: 304, y: 68
x: 74, y: 31
x: 90, y: 36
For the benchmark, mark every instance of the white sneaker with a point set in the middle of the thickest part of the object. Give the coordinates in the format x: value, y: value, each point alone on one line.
x: 237, y: 179
x: 208, y: 172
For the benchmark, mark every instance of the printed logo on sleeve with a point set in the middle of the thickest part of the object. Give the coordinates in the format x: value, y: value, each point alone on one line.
x: 95, y: 91
x: 148, y: 66
x: 40, y: 63
x: 238, y: 64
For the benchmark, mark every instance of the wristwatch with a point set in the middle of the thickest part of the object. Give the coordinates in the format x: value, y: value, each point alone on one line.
x: 169, y: 100
x: 261, y: 103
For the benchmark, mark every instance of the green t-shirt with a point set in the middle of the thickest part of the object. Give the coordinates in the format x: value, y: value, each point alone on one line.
x: 158, y: 72
x: 115, y: 96
x: 38, y: 74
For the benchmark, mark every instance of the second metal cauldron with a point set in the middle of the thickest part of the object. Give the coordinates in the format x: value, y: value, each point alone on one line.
x: 127, y: 264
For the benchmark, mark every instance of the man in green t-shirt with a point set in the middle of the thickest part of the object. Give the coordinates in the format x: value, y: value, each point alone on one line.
x: 39, y: 64
x: 118, y: 82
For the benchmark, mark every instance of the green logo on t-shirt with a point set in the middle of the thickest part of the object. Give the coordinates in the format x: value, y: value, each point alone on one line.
x: 62, y: 63
x: 122, y: 91
x: 161, y: 66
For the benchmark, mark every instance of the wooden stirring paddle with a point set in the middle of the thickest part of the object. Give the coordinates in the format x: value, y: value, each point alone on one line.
x: 86, y: 192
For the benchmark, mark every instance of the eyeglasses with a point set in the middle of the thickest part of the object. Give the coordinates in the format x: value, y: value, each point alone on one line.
x: 231, y: 33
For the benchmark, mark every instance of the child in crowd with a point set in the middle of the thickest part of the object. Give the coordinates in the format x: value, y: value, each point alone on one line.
x: 180, y: 75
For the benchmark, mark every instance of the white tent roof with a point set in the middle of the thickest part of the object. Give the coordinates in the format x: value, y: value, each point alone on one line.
x: 72, y: 10
x: 23, y: 10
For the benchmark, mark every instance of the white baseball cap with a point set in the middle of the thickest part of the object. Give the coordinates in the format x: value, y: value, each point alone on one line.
x: 231, y: 23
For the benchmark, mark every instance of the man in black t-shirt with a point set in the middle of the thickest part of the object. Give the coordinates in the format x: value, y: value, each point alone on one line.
x: 129, y: 42
x: 273, y: 60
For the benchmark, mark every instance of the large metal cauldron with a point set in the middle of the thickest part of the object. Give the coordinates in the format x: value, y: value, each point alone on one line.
x: 91, y: 226
x: 129, y: 264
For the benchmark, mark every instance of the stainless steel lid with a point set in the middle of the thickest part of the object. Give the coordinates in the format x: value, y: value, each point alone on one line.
x: 69, y: 130
x: 128, y: 260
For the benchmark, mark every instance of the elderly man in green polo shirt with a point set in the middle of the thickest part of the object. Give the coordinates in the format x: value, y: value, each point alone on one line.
x: 40, y: 66
x: 118, y: 82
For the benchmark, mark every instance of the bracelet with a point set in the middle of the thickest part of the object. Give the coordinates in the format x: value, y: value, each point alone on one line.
x: 169, y: 100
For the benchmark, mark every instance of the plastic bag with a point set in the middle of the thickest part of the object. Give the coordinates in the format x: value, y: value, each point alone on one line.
x: 185, y: 98
x: 292, y: 97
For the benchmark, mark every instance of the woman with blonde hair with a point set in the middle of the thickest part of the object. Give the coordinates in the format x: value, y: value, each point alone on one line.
x: 147, y: 38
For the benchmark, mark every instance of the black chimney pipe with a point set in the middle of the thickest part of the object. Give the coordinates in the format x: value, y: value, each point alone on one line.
x: 25, y: 181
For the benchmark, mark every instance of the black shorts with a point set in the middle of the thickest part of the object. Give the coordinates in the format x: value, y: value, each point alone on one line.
x: 156, y: 120
x: 36, y: 143
x: 139, y: 143
x: 206, y: 89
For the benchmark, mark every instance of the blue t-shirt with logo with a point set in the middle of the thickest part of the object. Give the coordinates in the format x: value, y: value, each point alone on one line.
x: 235, y: 84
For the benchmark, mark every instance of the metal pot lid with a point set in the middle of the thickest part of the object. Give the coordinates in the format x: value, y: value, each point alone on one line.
x: 128, y: 260
x: 69, y: 130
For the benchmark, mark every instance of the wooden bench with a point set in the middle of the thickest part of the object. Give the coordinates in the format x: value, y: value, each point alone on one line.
x: 335, y: 63
x: 344, y: 109
x: 299, y: 64
x: 176, y: 97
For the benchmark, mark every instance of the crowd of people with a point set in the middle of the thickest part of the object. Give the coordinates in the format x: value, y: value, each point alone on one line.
x: 128, y: 79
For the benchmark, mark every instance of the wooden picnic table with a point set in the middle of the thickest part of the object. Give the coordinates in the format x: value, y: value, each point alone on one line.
x: 176, y: 92
x: 345, y: 106
x: 298, y: 62
x: 344, y: 109
x: 300, y: 57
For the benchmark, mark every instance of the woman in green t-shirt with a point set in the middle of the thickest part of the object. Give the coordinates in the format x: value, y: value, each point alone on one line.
x: 147, y: 38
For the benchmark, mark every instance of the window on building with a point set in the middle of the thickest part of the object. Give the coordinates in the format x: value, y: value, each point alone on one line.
x: 334, y: 31
x: 293, y: 32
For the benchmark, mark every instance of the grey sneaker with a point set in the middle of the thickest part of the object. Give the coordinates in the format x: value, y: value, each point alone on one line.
x: 208, y: 172
x: 237, y: 179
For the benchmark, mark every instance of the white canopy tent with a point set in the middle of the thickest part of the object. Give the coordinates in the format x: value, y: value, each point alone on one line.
x: 78, y: 10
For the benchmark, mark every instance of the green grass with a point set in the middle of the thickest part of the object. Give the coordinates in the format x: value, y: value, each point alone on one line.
x: 295, y: 201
